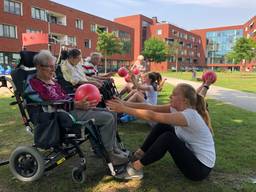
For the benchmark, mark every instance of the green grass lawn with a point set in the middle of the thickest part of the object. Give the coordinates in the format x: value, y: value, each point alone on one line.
x: 235, y: 80
x: 235, y: 146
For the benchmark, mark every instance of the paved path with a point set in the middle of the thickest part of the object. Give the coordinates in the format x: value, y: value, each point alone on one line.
x: 240, y: 99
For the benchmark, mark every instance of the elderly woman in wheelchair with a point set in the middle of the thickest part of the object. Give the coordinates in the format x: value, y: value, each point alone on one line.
x: 41, y: 87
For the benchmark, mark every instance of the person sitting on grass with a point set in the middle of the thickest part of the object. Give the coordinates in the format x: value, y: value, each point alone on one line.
x: 145, y: 93
x: 160, y: 81
x: 130, y: 86
x: 183, y: 130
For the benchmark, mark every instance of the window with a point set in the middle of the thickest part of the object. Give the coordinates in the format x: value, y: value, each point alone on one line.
x: 13, y: 7
x: 125, y: 38
x: 30, y: 30
x: 102, y: 28
x: 39, y: 14
x: 93, y: 27
x: 53, y: 19
x: 8, y: 31
x: 79, y: 24
x: 115, y: 32
x: 159, y: 31
x: 88, y: 43
x: 71, y: 40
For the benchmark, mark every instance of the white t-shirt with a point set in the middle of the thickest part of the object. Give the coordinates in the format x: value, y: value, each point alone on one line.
x: 151, y: 96
x: 197, y: 137
x: 73, y: 73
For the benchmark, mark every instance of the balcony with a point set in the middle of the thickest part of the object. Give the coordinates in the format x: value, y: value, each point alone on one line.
x: 56, y: 38
x: 56, y: 18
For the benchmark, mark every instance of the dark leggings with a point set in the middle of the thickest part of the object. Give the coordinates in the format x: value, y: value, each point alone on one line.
x: 161, y: 139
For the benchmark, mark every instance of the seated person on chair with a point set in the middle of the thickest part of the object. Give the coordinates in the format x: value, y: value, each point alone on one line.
x: 49, y: 90
x: 73, y: 71
x: 90, y: 67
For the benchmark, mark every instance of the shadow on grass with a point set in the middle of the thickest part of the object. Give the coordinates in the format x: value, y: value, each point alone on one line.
x: 235, y: 146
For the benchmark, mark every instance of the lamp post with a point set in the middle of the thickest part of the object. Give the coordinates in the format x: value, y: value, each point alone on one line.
x: 49, y: 30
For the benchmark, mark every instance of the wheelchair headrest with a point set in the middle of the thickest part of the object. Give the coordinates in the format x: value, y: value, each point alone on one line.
x: 26, y: 58
x: 19, y: 77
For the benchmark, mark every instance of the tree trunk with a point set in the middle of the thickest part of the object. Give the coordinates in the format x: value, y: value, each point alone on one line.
x: 105, y: 64
x: 176, y: 61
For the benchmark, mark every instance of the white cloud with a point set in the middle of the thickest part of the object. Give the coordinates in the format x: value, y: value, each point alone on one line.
x: 215, y: 3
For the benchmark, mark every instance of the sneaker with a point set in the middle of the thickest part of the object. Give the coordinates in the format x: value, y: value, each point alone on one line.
x: 126, y: 118
x: 130, y: 173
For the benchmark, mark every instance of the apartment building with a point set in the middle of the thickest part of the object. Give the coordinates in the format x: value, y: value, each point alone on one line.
x: 190, y: 53
x: 73, y: 28
x: 218, y: 41
x: 65, y: 26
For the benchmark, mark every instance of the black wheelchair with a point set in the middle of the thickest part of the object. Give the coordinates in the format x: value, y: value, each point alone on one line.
x: 57, y: 137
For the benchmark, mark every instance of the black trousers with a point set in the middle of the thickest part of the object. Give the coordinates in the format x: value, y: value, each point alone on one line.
x: 161, y: 139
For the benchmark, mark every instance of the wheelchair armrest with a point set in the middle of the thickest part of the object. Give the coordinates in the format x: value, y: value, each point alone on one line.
x: 46, y: 103
x: 90, y: 121
x: 71, y: 95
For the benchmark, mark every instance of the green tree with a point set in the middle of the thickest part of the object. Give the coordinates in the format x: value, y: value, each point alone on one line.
x: 243, y: 51
x: 108, y: 44
x: 155, y: 50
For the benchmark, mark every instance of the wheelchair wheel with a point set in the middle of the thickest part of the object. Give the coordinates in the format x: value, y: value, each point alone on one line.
x: 26, y: 163
x: 78, y: 175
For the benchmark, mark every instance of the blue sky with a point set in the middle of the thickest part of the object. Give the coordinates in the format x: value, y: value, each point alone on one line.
x: 188, y: 14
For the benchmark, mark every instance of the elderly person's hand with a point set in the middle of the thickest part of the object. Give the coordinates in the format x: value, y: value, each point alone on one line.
x: 85, y: 105
x: 116, y: 105
x: 112, y: 73
x: 209, y: 81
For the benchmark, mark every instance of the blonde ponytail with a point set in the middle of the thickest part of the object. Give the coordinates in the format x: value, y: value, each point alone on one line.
x: 201, y: 109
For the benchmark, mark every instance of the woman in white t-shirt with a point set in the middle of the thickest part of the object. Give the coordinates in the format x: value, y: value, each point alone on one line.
x: 183, y: 130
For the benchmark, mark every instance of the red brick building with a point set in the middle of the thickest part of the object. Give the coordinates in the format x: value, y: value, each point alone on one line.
x: 71, y: 27
x: 190, y: 52
x: 74, y: 28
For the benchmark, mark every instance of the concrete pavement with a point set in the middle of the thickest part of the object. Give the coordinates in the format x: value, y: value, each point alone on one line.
x: 240, y: 99
x: 233, y: 97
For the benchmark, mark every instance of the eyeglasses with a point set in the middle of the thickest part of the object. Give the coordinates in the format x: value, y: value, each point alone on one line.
x: 49, y: 66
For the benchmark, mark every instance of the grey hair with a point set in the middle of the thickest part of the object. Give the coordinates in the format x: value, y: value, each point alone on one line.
x: 95, y: 54
x: 43, y: 58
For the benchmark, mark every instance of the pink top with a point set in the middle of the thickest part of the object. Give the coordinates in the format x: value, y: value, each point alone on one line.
x: 48, y: 92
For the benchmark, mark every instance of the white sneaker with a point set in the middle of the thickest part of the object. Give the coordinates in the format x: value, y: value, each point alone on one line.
x: 130, y: 173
